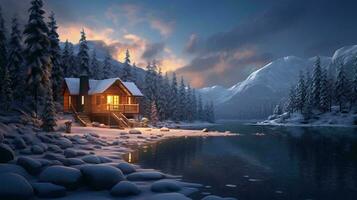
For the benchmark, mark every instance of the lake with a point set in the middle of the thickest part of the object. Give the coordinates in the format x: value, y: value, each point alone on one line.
x: 262, y: 162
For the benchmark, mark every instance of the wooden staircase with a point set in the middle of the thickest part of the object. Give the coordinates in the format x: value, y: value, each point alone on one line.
x: 122, y: 121
x: 81, y: 118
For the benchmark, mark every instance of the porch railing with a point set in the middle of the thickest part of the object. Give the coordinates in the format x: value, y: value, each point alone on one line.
x: 123, y: 108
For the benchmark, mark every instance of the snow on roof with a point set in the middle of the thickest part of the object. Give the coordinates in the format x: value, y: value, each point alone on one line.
x: 99, y: 86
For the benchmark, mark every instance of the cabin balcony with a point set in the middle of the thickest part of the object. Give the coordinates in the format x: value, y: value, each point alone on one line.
x: 123, y: 108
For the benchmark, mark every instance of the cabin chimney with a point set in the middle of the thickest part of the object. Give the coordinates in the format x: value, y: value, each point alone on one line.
x: 83, y: 85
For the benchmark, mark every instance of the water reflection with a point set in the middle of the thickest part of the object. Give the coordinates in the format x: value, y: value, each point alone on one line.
x: 284, y: 163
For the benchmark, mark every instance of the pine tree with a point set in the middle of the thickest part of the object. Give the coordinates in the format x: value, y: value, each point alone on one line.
x: 354, y: 86
x: 182, y: 100
x: 6, y: 91
x: 15, y: 62
x: 83, y: 55
x: 36, y: 51
x: 166, y: 96
x: 97, y: 71
x: 154, y: 114
x: 3, y: 50
x: 324, y: 93
x: 69, y: 67
x: 194, y: 105
x: 211, y: 114
x: 161, y: 98
x: 316, y: 83
x: 107, y: 66
x: 55, y: 53
x: 341, y: 93
x: 301, y: 93
x: 277, y: 110
x: 200, y: 113
x: 291, y: 104
x: 127, y: 74
x: 49, y: 112
x: 174, y: 98
x: 189, y: 104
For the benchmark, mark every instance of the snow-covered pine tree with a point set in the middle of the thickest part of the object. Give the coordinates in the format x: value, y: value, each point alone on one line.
x: 194, y: 104
x: 49, y: 112
x: 166, y: 95
x: 36, y: 51
x: 291, y: 102
x: 161, y: 98
x: 127, y: 74
x: 324, y: 93
x: 174, y: 99
x: 154, y: 114
x: 6, y: 91
x: 211, y: 115
x: 189, y: 104
x: 15, y: 62
x: 148, y: 93
x: 107, y: 67
x: 342, y: 90
x: 200, y: 111
x: 277, y: 109
x: 309, y: 102
x: 3, y: 50
x: 301, y: 92
x: 182, y: 100
x: 83, y: 55
x: 55, y: 53
x: 316, y: 83
x: 97, y: 72
x: 69, y: 66
x: 354, y: 86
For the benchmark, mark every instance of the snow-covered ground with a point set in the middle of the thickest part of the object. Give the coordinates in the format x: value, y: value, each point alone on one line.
x: 85, y: 164
x: 333, y: 118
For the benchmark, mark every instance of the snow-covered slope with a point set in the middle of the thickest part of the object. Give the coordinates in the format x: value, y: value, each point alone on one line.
x: 256, y: 96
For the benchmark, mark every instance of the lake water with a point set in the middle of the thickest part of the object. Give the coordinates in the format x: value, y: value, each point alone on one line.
x: 262, y: 162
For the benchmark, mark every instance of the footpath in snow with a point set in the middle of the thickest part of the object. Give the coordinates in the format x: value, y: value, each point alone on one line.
x: 85, y: 164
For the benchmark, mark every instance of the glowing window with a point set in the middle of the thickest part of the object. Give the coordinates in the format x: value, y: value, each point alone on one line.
x: 129, y: 100
x: 82, y: 100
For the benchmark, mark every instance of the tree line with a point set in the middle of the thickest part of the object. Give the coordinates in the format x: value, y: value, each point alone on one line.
x: 318, y: 92
x: 33, y: 66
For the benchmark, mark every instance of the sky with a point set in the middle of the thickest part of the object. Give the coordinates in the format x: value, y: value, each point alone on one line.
x: 209, y: 42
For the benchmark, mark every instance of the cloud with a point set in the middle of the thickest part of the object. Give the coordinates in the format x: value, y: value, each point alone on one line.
x: 165, y: 28
x: 153, y: 50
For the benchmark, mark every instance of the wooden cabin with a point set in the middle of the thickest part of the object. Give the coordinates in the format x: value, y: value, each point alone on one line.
x: 109, y: 101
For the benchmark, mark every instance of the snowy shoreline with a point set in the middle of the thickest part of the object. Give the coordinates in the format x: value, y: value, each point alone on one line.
x: 90, y: 163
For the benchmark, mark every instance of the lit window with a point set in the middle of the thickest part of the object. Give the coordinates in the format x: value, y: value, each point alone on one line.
x: 129, y: 100
x: 82, y: 100
x: 69, y: 100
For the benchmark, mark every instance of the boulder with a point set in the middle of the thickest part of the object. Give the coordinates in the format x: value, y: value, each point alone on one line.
x: 73, y: 161
x: 12, y: 168
x: 164, y: 129
x: 100, y: 177
x: 124, y: 189
x: 61, y: 175
x: 54, y: 148
x: 134, y: 131
x: 169, y: 196
x: 54, y: 156
x: 49, y: 190
x: 32, y: 166
x: 19, y: 143
x: 104, y: 159
x: 64, y: 143
x: 36, y: 149
x: 70, y: 153
x: 1, y: 137
x: 205, y: 130
x: 6, y: 153
x: 92, y: 159
x: 214, y: 197
x: 145, y: 176
x: 126, y: 168
x: 165, y: 186
x: 16, y: 187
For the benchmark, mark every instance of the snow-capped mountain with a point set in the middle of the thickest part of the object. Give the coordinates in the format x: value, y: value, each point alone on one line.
x: 256, y: 96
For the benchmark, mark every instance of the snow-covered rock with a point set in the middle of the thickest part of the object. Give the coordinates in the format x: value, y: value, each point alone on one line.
x: 125, y: 188
x: 49, y: 190
x: 126, y: 168
x: 64, y: 143
x: 214, y: 197
x: 165, y: 186
x: 164, y: 129
x: 100, y: 177
x: 61, y: 175
x: 12, y: 168
x: 54, y: 148
x: 92, y: 159
x: 6, y: 153
x: 19, y: 143
x: 134, y: 131
x: 32, y: 166
x: 37, y: 149
x: 14, y: 187
x: 145, y: 176
x: 73, y: 161
x: 70, y: 153
x: 169, y: 196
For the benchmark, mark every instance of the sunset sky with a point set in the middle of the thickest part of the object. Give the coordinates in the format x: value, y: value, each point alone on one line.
x: 209, y: 42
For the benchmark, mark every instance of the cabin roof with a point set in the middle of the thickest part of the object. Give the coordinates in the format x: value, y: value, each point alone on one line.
x: 99, y: 86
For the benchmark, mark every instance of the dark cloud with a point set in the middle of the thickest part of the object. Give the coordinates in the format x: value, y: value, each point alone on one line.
x: 152, y: 50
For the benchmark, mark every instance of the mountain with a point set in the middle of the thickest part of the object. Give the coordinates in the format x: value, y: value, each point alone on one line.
x: 257, y: 95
